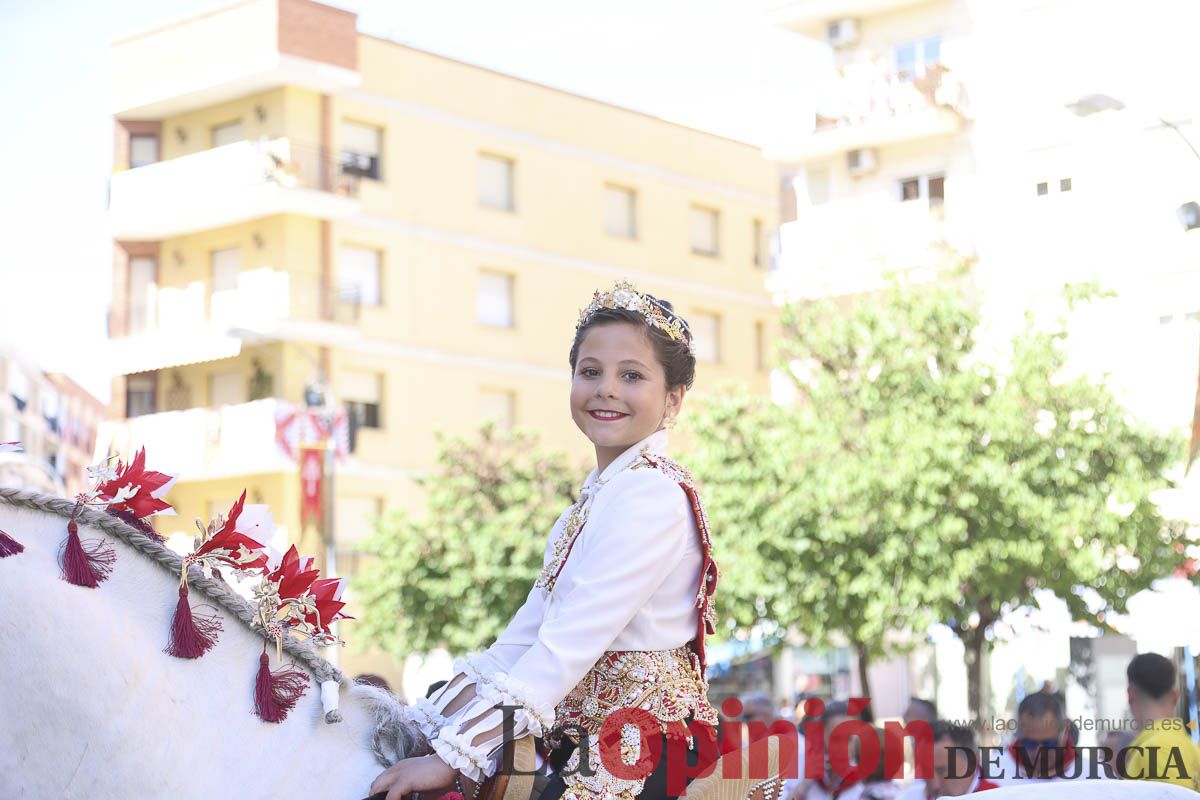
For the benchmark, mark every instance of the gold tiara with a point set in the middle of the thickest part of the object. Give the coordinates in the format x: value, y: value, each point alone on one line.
x: 625, y: 296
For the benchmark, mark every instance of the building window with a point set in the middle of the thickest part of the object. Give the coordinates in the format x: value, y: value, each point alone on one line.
x: 936, y: 190
x: 143, y: 291
x: 362, y: 146
x: 139, y: 395
x: 1043, y: 188
x: 360, y: 275
x: 931, y: 188
x: 495, y: 182
x: 758, y: 245
x: 706, y: 336
x: 228, y: 133
x: 620, y: 212
x: 498, y: 406
x: 226, y: 389
x: 704, y: 231
x: 913, y: 59
x: 1064, y: 184
x: 363, y: 393
x: 143, y: 150
x: 494, y: 303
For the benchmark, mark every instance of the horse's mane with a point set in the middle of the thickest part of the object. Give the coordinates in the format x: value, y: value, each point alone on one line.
x: 394, y: 736
x: 169, y: 560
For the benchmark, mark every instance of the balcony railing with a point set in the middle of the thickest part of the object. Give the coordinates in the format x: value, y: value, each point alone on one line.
x: 189, y: 324
x: 868, y: 93
x: 230, y: 184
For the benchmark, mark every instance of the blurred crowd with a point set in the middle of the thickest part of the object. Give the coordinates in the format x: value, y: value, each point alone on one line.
x: 1152, y: 743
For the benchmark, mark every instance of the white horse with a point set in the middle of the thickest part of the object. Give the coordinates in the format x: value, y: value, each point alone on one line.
x: 91, y: 707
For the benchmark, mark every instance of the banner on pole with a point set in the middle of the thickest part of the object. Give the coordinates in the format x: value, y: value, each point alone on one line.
x: 312, y: 480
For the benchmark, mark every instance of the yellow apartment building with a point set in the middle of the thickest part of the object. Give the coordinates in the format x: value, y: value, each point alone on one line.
x: 296, y: 203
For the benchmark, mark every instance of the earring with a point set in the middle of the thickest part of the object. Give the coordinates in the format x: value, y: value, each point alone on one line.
x: 669, y: 422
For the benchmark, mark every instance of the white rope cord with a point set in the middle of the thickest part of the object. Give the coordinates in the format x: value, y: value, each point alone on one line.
x: 172, y: 562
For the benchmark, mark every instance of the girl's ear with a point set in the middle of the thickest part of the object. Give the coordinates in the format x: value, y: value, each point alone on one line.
x: 675, y: 397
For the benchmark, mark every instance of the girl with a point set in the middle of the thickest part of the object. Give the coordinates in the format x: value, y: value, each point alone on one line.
x: 618, y: 616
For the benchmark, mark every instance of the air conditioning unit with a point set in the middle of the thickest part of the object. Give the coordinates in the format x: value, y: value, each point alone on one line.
x: 861, y: 162
x: 841, y: 32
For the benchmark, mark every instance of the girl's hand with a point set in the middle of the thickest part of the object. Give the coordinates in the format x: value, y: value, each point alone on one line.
x: 423, y: 774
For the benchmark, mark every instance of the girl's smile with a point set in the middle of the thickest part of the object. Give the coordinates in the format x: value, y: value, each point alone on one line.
x: 619, y: 393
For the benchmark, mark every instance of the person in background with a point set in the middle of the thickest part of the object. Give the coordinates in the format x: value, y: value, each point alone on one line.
x: 757, y: 707
x: 951, y: 776
x: 1163, y: 750
x: 878, y: 786
x: 1042, y: 736
x: 919, y: 709
x: 830, y: 785
x: 1116, y: 742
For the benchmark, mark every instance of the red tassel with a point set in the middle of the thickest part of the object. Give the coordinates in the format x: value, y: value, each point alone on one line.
x: 192, y: 634
x: 276, y: 693
x: 86, y: 566
x: 9, y: 546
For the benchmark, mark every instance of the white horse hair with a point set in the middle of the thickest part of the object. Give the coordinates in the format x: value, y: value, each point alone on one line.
x: 91, y: 706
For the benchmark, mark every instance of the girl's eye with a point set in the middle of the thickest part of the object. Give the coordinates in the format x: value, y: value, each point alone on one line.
x: 633, y: 376
x: 589, y: 372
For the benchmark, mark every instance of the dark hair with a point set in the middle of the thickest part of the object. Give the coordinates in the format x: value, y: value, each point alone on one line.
x: 676, y: 357
x: 961, y: 735
x: 1151, y: 674
x: 929, y: 706
x: 370, y: 679
x: 1039, y: 704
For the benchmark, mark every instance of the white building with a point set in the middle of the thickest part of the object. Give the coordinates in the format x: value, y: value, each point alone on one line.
x: 945, y: 130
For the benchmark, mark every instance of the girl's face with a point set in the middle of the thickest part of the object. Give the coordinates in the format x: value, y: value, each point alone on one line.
x: 619, y: 393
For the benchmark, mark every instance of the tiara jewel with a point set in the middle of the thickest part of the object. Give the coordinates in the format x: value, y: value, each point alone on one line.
x: 625, y: 296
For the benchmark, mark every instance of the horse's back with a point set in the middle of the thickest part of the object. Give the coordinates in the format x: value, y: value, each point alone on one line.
x: 97, y: 709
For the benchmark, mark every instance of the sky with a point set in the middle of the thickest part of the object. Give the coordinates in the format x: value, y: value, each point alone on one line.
x: 718, y: 65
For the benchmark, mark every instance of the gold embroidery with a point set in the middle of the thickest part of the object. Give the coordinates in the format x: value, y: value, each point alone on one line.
x: 666, y: 683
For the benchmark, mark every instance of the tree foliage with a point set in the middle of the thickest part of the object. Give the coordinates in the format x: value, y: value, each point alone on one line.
x: 914, y: 480
x: 454, y: 576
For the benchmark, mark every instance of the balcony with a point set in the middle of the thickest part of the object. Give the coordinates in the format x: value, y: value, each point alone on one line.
x: 188, y: 324
x: 204, y: 443
x: 809, y: 17
x: 237, y: 50
x: 870, y: 105
x: 226, y: 185
x: 851, y: 246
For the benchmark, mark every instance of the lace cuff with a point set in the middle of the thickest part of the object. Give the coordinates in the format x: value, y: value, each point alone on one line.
x: 425, y: 716
x: 497, y: 688
x: 457, y: 751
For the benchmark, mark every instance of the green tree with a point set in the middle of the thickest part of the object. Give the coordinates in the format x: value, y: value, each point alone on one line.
x: 913, y: 481
x: 455, y: 575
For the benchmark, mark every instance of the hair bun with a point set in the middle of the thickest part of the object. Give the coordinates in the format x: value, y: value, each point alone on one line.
x: 664, y: 303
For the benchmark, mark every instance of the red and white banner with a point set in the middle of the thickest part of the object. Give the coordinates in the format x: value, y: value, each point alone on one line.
x: 297, y: 427
x: 312, y: 485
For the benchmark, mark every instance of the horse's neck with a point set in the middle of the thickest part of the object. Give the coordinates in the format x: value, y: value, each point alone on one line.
x: 99, y: 710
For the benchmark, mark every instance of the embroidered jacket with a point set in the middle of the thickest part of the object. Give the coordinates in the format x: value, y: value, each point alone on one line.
x: 623, y: 595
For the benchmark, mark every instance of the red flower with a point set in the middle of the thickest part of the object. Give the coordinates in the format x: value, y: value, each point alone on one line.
x: 327, y: 596
x: 137, y: 487
x: 235, y: 549
x: 294, y: 575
